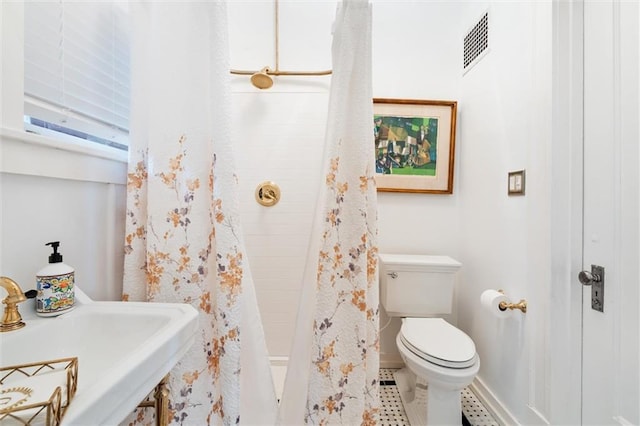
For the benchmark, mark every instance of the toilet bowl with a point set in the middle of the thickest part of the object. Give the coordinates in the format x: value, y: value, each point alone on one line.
x: 440, y: 359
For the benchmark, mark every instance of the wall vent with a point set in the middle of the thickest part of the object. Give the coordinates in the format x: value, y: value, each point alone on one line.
x: 476, y: 42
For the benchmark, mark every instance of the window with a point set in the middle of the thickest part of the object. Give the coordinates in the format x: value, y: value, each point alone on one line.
x: 76, y: 70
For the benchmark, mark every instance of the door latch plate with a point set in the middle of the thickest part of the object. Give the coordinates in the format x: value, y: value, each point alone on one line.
x: 597, y: 289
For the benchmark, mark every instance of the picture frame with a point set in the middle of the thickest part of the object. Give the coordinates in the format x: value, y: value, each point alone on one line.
x: 414, y: 143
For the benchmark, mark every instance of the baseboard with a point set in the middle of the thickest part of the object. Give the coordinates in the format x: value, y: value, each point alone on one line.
x: 492, y: 404
x: 391, y: 361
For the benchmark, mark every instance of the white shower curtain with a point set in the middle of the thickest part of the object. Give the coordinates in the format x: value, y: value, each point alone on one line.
x: 183, y: 240
x: 332, y: 376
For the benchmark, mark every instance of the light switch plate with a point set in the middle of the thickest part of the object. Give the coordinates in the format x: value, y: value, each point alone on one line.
x: 516, y: 183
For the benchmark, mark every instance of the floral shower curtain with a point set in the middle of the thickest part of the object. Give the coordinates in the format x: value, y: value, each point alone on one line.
x: 332, y: 376
x: 183, y: 240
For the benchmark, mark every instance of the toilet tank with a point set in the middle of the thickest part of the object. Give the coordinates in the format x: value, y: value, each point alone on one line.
x: 417, y: 285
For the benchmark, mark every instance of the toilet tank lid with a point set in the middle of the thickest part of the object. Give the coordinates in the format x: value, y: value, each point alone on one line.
x: 417, y: 260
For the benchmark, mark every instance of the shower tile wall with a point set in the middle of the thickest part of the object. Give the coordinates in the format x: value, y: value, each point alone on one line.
x: 280, y: 138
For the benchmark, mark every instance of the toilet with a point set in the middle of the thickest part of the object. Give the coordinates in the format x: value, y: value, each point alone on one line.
x: 440, y: 360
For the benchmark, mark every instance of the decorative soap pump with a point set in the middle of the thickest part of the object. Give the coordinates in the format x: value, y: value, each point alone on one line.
x: 55, y: 285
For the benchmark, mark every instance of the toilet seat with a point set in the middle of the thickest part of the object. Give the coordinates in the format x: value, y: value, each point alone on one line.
x: 438, y: 342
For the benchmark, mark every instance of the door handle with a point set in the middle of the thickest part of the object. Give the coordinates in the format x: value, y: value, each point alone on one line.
x: 595, y: 279
x: 588, y: 278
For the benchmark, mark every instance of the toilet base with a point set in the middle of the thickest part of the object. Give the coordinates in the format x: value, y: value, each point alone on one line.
x: 426, y: 405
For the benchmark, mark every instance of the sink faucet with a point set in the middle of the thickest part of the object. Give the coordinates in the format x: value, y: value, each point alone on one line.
x: 11, y: 320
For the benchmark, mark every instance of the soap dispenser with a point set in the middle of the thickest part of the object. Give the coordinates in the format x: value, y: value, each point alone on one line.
x: 55, y: 285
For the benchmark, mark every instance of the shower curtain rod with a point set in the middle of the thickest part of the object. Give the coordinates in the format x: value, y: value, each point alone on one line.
x: 276, y: 71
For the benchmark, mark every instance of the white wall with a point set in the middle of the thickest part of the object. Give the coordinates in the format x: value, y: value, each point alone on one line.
x: 53, y: 195
x: 53, y: 191
x: 505, y: 124
x: 416, y: 55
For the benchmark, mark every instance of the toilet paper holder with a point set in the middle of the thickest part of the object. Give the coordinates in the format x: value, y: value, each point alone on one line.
x: 521, y: 305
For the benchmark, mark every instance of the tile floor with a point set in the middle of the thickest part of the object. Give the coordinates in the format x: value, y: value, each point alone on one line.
x: 392, y: 413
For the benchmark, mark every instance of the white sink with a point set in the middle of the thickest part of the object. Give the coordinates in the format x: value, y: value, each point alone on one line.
x: 123, y: 348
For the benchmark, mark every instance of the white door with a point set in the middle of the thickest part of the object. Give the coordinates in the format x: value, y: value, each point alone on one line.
x: 610, y: 372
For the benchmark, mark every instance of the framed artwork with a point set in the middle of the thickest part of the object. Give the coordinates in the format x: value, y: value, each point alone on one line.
x: 414, y: 145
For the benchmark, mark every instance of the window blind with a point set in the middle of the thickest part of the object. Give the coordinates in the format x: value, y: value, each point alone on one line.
x: 77, y: 68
